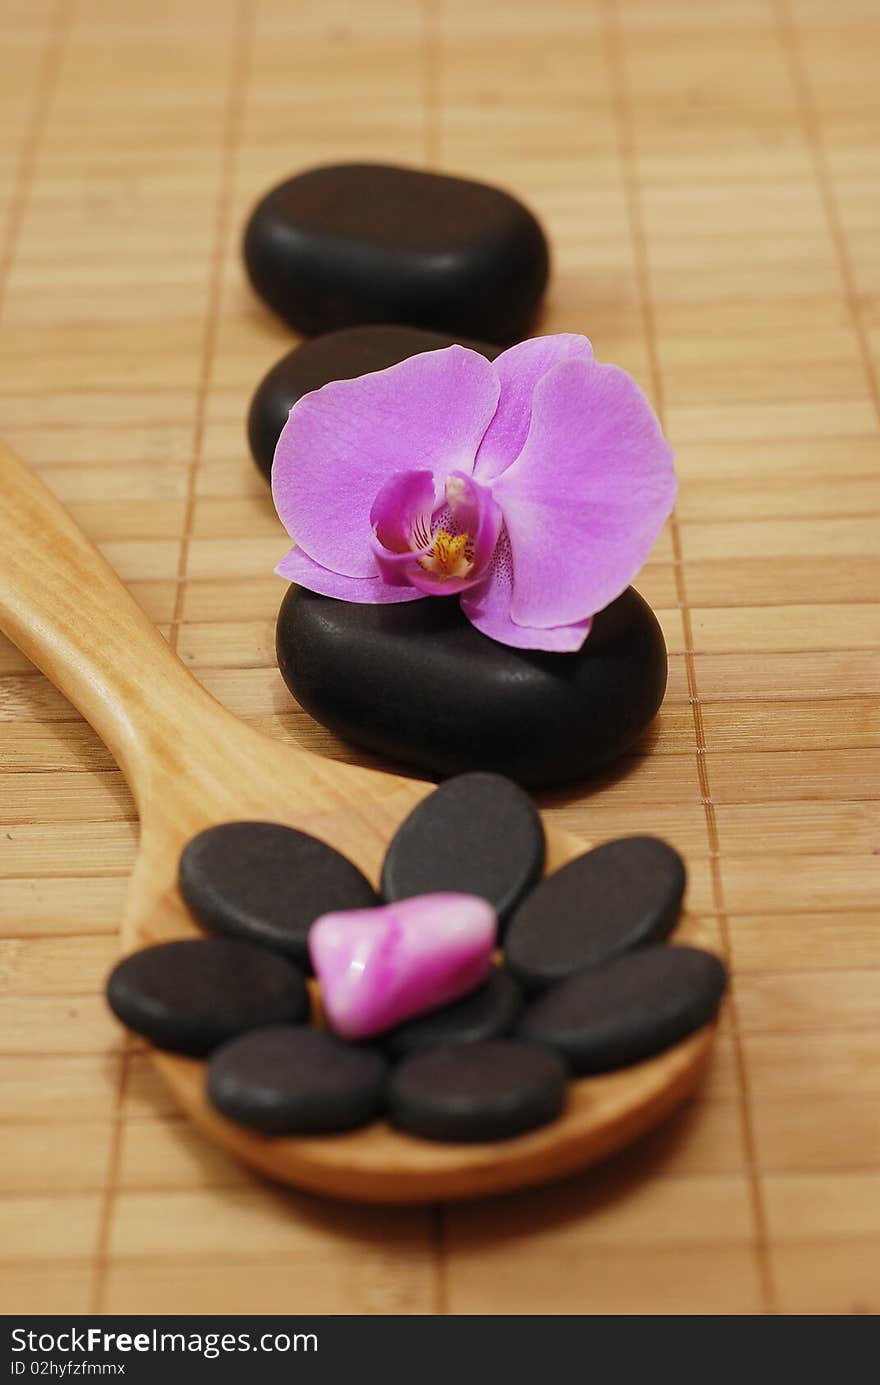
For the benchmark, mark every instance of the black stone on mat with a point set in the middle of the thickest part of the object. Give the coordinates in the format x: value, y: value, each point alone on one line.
x: 348, y: 244
x: 418, y: 684
x: 341, y: 355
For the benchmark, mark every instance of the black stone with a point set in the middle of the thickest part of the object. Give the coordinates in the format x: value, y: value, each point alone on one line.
x: 633, y: 1007
x: 268, y: 883
x: 190, y: 996
x: 339, y: 355
x: 418, y: 684
x: 288, y: 1080
x: 489, y: 1012
x: 620, y: 896
x: 476, y: 834
x: 474, y: 1092
x: 356, y: 243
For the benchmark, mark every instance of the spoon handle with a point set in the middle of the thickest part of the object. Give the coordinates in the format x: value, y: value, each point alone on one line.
x: 66, y: 609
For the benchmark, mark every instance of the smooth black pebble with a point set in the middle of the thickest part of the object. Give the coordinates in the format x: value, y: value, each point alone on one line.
x: 288, y: 1080
x: 341, y: 355
x: 474, y: 1092
x: 190, y: 996
x: 630, y: 1009
x: 476, y: 834
x: 357, y: 243
x: 489, y: 1012
x: 268, y: 883
x: 418, y: 684
x: 622, y: 895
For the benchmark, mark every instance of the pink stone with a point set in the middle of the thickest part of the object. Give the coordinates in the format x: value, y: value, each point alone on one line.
x: 378, y: 967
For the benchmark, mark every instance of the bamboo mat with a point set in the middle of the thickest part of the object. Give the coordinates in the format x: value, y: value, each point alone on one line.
x: 708, y: 174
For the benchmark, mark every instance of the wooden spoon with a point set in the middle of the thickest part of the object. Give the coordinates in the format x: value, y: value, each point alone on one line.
x: 190, y: 764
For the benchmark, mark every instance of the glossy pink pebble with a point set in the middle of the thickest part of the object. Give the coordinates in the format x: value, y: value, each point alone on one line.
x: 378, y: 967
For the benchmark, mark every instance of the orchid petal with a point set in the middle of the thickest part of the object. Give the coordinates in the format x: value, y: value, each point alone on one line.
x: 519, y: 370
x: 487, y: 607
x: 343, y: 442
x: 298, y: 567
x: 587, y: 496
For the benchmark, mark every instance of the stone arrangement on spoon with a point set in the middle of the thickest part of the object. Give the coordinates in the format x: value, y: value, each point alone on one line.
x: 441, y: 1035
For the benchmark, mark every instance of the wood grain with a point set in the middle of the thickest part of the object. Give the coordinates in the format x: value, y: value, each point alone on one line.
x: 708, y: 175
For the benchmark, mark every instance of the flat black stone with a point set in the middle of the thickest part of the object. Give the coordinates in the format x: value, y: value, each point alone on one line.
x: 620, y: 896
x: 339, y: 355
x: 347, y: 244
x: 418, y: 684
x: 289, y: 1080
x: 268, y: 883
x: 489, y: 1012
x: 190, y: 996
x: 474, y: 1092
x: 476, y: 834
x: 633, y: 1007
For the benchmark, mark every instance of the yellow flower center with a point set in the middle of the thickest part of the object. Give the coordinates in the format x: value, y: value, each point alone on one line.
x: 449, y: 555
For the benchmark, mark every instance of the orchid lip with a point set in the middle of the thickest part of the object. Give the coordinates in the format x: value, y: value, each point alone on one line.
x: 438, y: 547
x: 451, y: 555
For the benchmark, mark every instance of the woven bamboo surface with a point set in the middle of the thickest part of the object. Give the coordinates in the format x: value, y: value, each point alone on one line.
x: 708, y: 174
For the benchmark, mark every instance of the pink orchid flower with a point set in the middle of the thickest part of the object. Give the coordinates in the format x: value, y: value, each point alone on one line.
x: 532, y: 486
